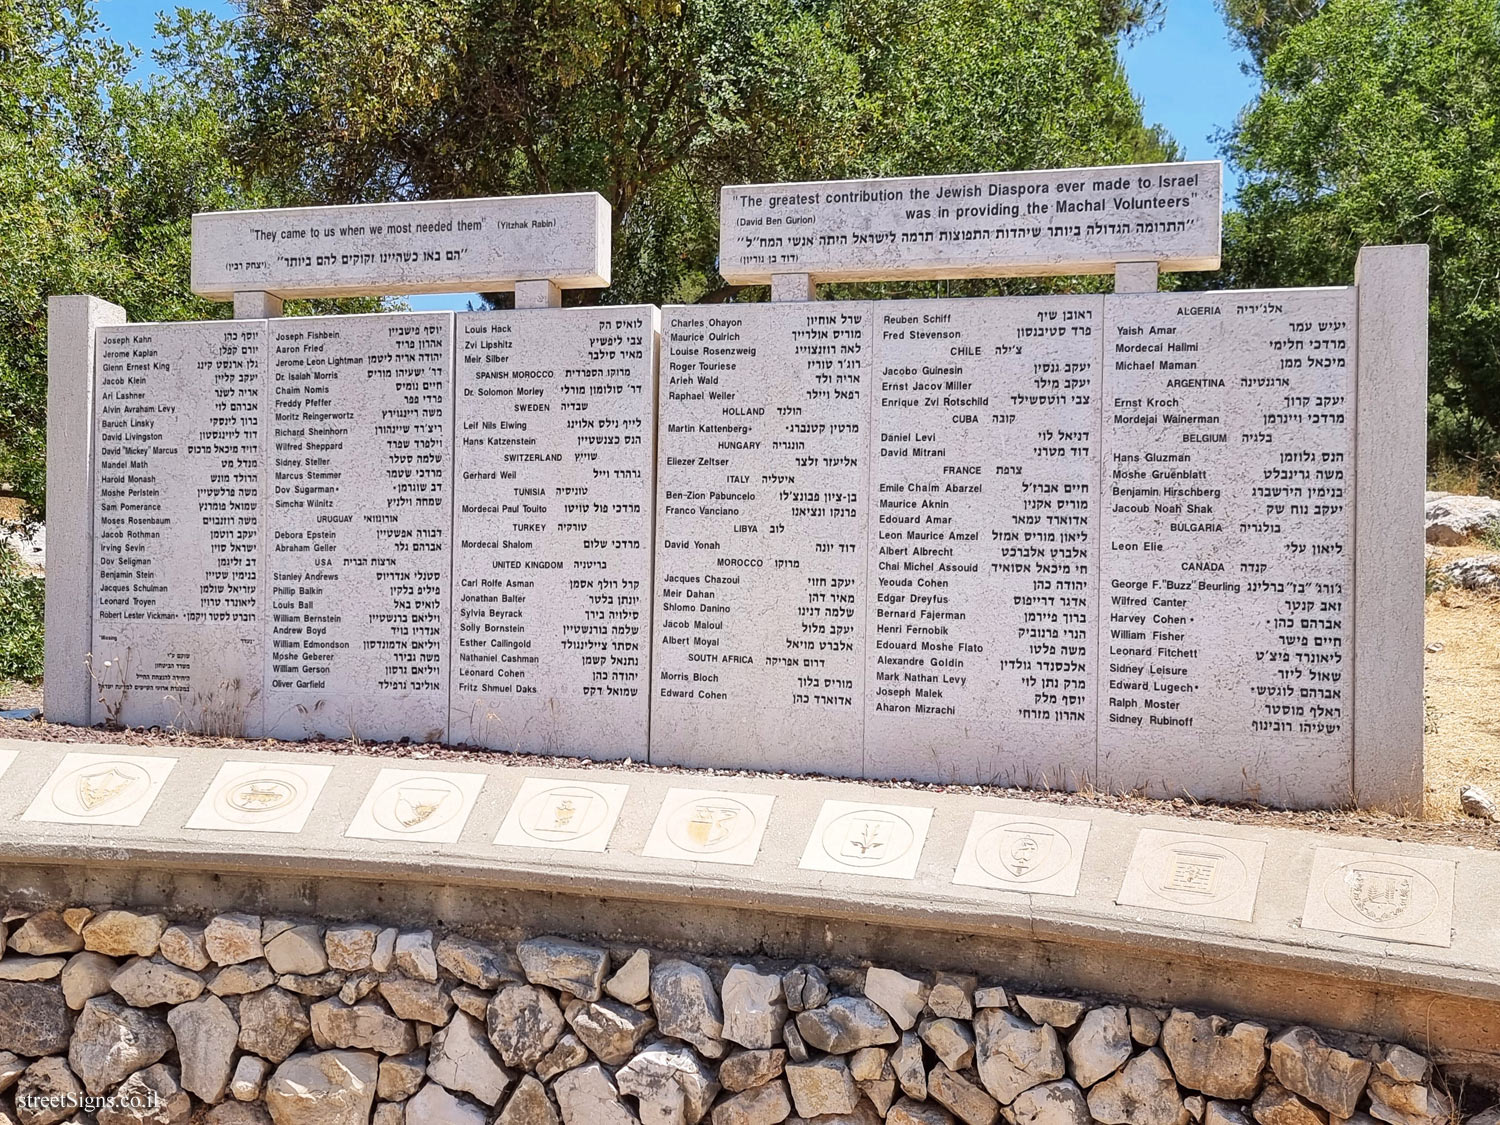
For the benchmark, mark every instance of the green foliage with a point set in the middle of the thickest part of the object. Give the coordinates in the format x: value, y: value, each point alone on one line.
x: 1260, y: 26
x: 656, y: 103
x: 1379, y: 122
x: 21, y: 604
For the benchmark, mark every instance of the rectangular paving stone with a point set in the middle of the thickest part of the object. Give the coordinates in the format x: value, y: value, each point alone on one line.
x: 1381, y: 895
x: 411, y: 804
x: 867, y: 839
x: 714, y: 826
x: 1030, y: 854
x: 562, y: 815
x: 248, y: 796
x: 104, y: 789
x: 1191, y: 873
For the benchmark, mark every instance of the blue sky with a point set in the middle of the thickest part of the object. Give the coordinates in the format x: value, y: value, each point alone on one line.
x: 1186, y: 74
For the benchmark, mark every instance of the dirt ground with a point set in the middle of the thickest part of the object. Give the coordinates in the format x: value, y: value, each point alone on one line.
x: 1462, y: 746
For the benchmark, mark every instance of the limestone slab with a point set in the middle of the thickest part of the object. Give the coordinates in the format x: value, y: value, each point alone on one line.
x: 1190, y: 873
x: 868, y: 839
x: 564, y: 815
x: 179, y: 471
x: 1035, y: 855
x: 358, y: 526
x: 429, y: 246
x: 1227, y: 571
x: 6, y: 758
x: 116, y: 789
x: 260, y: 797
x: 993, y: 224
x: 761, y: 537
x: 1381, y: 895
x: 554, y: 473
x: 709, y: 825
x: 982, y: 624
x: 430, y: 805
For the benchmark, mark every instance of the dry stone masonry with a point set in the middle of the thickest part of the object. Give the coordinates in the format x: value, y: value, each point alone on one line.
x: 1060, y: 540
x: 247, y: 1020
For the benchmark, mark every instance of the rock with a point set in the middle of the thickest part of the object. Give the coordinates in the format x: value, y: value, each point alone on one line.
x: 1277, y: 1105
x: 249, y: 1078
x: 124, y: 933
x: 529, y: 1105
x: 909, y: 1112
x: 870, y: 1063
x: 12, y: 1066
x: 822, y: 1086
x: 383, y: 959
x: 1058, y: 1013
x: 273, y: 1024
x: 951, y: 1041
x: 360, y: 985
x: 323, y: 1088
x: 350, y: 948
x: 433, y: 1105
x: 45, y: 934
x: 766, y: 1104
x: 568, y: 966
x: 687, y: 1006
x: 523, y: 1023
x: 232, y: 939
x: 206, y: 1034
x: 475, y: 963
x: 745, y: 1070
x: 1401, y: 1065
x: 671, y: 1084
x: 1322, y: 1074
x: 1222, y: 1113
x: 879, y: 1092
x: 416, y: 956
x: 237, y: 980
x: 298, y: 951
x: 1474, y: 800
x: 76, y: 917
x: 961, y: 1097
x: 317, y: 987
x: 34, y: 1018
x: 1143, y: 1092
x: 952, y: 996
x: 1100, y: 1046
x: 185, y: 947
x: 416, y: 1000
x: 144, y: 983
x: 1407, y: 1103
x: 631, y: 983
x: 85, y: 976
x: 910, y: 1067
x: 238, y: 1113
x: 272, y: 928
x: 992, y: 997
x: 1052, y: 1103
x: 1481, y: 572
x: 609, y: 1029
x: 463, y: 1060
x: 846, y: 1023
x: 796, y: 1048
x: 1013, y: 1055
x: 1145, y: 1028
x: 1451, y: 519
x: 902, y: 997
x: 44, y: 1081
x: 805, y: 988
x: 1210, y: 1055
x: 111, y: 1040
x: 568, y: 1053
x: 156, y: 1087
x: 363, y: 1026
x: 1194, y: 1105
x: 31, y: 968
x: 402, y: 1075
x: 754, y: 1007
x: 389, y: 1113
x: 587, y: 1096
x: 471, y: 1000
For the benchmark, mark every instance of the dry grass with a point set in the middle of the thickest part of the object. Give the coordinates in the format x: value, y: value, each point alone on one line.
x: 1463, y: 694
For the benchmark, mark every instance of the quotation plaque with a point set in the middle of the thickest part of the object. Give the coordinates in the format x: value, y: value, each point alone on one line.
x: 553, y: 466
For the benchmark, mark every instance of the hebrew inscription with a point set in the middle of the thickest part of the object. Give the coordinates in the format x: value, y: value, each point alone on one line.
x: 178, y: 475
x: 554, y: 469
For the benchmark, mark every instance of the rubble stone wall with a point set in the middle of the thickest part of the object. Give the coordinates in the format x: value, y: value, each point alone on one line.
x: 118, y: 1016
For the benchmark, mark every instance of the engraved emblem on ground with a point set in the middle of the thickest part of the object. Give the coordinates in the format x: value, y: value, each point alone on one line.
x: 260, y: 797
x: 877, y: 839
x: 1382, y: 894
x: 1036, y: 855
x: 1406, y: 898
x: 1027, y: 852
x: 707, y: 825
x: 1211, y: 876
x: 552, y: 814
x: 420, y: 807
x: 417, y: 805
x: 100, y: 789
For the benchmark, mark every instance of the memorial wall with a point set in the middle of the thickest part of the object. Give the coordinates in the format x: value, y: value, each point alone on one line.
x: 1046, y: 541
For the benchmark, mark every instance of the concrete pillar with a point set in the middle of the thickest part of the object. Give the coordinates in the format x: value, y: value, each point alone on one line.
x: 1390, y: 461
x: 70, y: 502
x: 793, y: 287
x: 257, y: 305
x: 538, y: 295
x: 1137, y: 277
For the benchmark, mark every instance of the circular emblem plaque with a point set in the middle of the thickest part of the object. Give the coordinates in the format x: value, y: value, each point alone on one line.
x: 1023, y: 852
x: 249, y: 799
x: 868, y: 838
x: 710, y: 824
x: 562, y: 813
x: 101, y: 788
x: 1380, y: 893
x: 418, y: 804
x: 1195, y: 872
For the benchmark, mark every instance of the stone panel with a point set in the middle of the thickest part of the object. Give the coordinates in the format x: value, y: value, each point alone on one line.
x: 992, y: 224
x: 358, y: 525
x: 1227, y: 558
x: 761, y: 537
x: 554, y: 471
x: 179, y: 462
x: 431, y: 246
x: 982, y: 620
